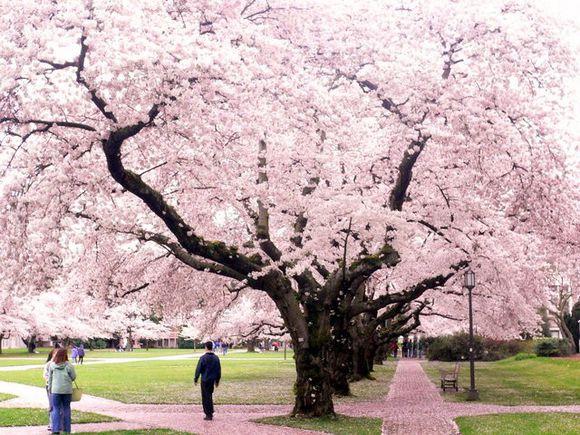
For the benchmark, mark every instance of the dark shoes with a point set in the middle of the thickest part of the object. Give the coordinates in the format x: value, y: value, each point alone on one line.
x: 208, y: 417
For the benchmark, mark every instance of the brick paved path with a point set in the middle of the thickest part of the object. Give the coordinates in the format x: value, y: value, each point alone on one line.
x: 415, y: 407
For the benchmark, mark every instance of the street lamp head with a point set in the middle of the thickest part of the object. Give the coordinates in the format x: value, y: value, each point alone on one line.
x: 469, y: 279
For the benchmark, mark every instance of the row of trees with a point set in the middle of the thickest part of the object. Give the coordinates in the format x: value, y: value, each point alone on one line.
x: 344, y: 161
x: 63, y: 316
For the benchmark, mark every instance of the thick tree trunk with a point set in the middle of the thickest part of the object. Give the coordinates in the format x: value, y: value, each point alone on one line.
x: 313, y: 388
x: 130, y: 341
x: 31, y: 345
x: 370, y: 353
x: 340, y: 368
x: 339, y: 355
x: 309, y: 328
x: 381, y: 354
x: 251, y: 345
x: 308, y: 323
x: 566, y: 334
x: 360, y: 361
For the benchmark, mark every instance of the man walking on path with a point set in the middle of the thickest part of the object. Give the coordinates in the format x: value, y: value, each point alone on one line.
x: 209, y: 368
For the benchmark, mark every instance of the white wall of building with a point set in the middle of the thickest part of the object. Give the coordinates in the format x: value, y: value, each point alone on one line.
x: 14, y: 342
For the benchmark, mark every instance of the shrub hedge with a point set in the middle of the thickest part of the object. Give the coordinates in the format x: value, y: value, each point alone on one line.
x: 552, y: 347
x: 183, y: 343
x: 96, y: 343
x: 456, y: 347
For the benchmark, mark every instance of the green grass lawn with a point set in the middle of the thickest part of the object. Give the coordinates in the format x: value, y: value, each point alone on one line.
x: 21, y: 362
x: 536, y: 381
x: 8, y: 354
x: 516, y: 424
x: 19, y: 357
x: 23, y: 353
x: 35, y: 417
x: 138, y: 353
x: 341, y: 425
x: 6, y: 397
x: 247, y: 379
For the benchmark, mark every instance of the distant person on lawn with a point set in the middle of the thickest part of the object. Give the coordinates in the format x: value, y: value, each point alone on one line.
x: 81, y: 353
x: 209, y: 368
x: 405, y: 347
x: 61, y: 375
x: 394, y: 348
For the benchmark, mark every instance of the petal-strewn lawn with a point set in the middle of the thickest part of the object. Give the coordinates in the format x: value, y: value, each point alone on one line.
x: 340, y: 425
x: 247, y: 379
x: 517, y: 424
x: 536, y: 381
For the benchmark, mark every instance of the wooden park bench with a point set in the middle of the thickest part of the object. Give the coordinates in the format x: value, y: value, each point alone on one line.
x: 449, y: 378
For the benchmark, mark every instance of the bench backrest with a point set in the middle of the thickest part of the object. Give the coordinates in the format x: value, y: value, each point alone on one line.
x: 456, y: 369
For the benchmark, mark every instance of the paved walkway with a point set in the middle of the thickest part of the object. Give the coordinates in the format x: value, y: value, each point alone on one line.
x: 228, y: 419
x: 412, y: 407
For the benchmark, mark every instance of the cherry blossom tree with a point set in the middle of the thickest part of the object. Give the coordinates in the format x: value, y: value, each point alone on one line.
x: 245, y: 319
x: 131, y: 322
x: 291, y: 148
x: 10, y: 326
x: 251, y: 319
x: 62, y: 315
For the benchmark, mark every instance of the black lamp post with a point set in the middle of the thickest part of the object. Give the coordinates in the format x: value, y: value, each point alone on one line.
x: 469, y: 282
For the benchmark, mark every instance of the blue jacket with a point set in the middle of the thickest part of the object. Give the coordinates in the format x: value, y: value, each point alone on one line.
x: 209, y: 368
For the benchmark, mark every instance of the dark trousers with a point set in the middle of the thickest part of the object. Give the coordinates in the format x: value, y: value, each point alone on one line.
x: 207, y: 397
